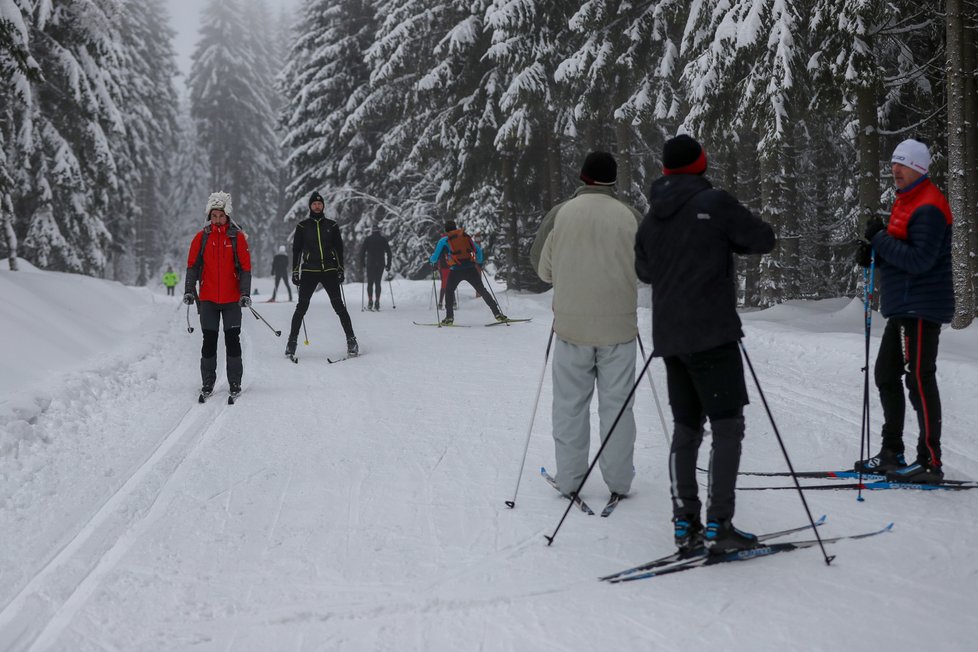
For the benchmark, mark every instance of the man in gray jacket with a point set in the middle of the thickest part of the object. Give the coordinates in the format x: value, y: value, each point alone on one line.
x: 585, y: 247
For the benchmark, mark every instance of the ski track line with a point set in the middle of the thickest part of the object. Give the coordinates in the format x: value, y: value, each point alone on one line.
x: 197, y: 425
x: 188, y: 424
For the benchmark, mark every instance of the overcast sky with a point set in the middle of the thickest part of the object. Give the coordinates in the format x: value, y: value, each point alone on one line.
x: 185, y: 16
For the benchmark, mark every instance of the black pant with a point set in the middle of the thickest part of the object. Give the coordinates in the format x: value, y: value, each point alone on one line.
x: 169, y: 290
x: 375, y: 277
x: 909, y: 348
x: 706, y: 384
x: 281, y: 276
x: 211, y: 316
x: 472, y: 276
x: 307, y: 285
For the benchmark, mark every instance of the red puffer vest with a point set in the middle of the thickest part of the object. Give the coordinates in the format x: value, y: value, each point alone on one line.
x: 906, y: 203
x: 219, y: 278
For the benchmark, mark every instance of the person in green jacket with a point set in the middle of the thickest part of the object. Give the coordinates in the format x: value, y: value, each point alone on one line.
x: 170, y: 280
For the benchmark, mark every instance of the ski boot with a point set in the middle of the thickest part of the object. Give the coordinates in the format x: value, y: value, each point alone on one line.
x: 687, y: 533
x: 920, y: 472
x: 884, y: 461
x: 352, y: 349
x: 501, y: 317
x: 447, y: 321
x: 722, y: 537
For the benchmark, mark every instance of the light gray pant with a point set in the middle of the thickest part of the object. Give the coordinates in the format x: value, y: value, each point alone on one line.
x: 576, y: 370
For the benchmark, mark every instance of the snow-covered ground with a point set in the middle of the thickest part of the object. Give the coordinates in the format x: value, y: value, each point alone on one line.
x: 360, y: 506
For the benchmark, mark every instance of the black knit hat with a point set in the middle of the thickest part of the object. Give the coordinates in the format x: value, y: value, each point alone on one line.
x: 450, y: 225
x: 315, y: 197
x: 683, y: 155
x: 599, y: 169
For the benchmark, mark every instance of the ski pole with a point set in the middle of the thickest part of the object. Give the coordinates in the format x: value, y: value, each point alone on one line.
x: 791, y: 468
x: 434, y: 272
x: 305, y: 332
x: 604, y: 442
x: 257, y: 316
x: 864, y: 446
x: 536, y: 402
x: 190, y: 329
x: 489, y: 285
x: 362, y: 290
x: 655, y: 395
x: 391, y: 288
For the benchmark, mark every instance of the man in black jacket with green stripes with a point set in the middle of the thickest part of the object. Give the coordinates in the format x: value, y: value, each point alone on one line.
x: 317, y: 258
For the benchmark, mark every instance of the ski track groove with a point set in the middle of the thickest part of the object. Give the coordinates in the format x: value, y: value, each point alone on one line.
x: 194, y: 426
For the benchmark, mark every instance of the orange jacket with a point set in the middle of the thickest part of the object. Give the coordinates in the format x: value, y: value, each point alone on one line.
x: 219, y: 280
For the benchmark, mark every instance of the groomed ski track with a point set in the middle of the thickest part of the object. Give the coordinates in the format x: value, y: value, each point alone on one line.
x: 347, y: 507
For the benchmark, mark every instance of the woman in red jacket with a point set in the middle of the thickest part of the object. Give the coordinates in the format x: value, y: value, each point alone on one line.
x: 219, y: 259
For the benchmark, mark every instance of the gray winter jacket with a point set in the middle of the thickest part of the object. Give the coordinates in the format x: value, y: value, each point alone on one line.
x: 589, y: 256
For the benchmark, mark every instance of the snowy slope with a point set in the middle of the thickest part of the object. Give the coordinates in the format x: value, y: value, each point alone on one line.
x: 360, y: 506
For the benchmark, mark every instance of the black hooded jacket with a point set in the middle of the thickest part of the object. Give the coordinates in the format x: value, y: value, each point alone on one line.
x: 317, y: 245
x: 684, y: 249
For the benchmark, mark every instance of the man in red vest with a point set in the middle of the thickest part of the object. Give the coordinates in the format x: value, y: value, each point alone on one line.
x: 913, y: 253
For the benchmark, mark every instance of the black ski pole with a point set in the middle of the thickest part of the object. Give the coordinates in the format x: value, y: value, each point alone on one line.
x: 257, y: 316
x: 655, y: 395
x: 391, y: 288
x: 362, y: 289
x: 305, y: 332
x: 604, y: 442
x: 864, y: 449
x: 791, y: 468
x: 190, y: 329
x: 536, y: 402
x: 489, y: 286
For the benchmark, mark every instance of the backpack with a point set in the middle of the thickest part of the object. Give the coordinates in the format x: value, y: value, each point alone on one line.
x: 461, y: 247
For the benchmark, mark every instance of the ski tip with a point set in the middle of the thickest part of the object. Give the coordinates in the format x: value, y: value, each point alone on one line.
x: 821, y: 519
x: 888, y: 528
x: 543, y: 469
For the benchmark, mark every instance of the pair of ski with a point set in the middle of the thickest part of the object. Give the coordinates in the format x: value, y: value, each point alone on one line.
x: 495, y: 323
x: 232, y: 397
x: 678, y: 562
x: 583, y: 506
x: 294, y: 358
x: 865, y: 481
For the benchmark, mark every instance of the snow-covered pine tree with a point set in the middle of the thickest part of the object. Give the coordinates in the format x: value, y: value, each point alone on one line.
x: 229, y: 93
x: 146, y: 78
x: 329, y: 144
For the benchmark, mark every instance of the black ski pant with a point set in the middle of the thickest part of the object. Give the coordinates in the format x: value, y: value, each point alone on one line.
x: 706, y: 384
x: 908, y: 353
x: 472, y: 276
x: 169, y: 290
x: 281, y: 276
x: 211, y: 316
x: 307, y: 285
x: 375, y: 277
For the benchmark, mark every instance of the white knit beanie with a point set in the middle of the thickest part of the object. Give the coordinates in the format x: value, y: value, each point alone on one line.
x: 913, y: 154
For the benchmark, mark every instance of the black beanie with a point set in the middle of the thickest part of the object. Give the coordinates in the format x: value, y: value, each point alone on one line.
x: 315, y: 197
x: 683, y: 155
x: 450, y: 225
x: 599, y: 169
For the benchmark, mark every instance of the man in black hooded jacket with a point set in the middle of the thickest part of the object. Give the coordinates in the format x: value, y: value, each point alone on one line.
x: 684, y: 249
x: 317, y: 258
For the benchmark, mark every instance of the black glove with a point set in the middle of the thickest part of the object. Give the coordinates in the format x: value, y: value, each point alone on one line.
x: 388, y: 268
x: 864, y: 254
x: 390, y: 276
x: 873, y: 226
x: 339, y: 274
x: 295, y: 278
x: 244, y: 301
x: 189, y: 298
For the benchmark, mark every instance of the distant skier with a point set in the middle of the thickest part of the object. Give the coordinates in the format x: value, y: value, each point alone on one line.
x: 913, y: 252
x: 465, y: 255
x: 280, y: 269
x: 684, y: 249
x: 170, y: 280
x: 375, y: 257
x: 587, y: 247
x: 317, y: 259
x: 219, y: 259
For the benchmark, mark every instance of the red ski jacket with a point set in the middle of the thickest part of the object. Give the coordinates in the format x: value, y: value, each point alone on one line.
x: 220, y: 281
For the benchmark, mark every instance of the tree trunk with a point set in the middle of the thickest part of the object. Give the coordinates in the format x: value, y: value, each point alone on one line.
x: 771, y: 268
x: 970, y: 57
x: 623, y: 141
x: 868, y: 142
x: 9, y: 235
x: 510, y: 219
x: 963, y: 295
